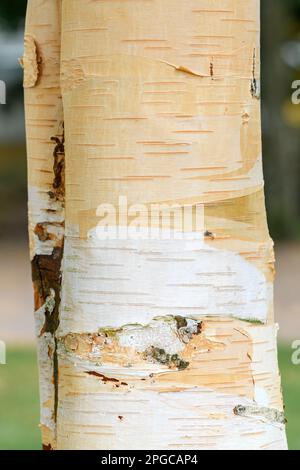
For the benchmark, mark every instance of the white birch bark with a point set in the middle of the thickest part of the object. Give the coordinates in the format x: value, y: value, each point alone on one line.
x: 150, y: 343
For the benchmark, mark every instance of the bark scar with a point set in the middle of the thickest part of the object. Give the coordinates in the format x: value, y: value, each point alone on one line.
x: 58, y: 192
x: 30, y: 62
x: 162, y: 357
x: 269, y: 414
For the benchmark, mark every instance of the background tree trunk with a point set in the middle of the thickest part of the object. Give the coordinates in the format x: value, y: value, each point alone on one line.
x: 157, y: 342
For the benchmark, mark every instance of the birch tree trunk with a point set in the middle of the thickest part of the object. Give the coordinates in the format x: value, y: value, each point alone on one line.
x: 138, y: 111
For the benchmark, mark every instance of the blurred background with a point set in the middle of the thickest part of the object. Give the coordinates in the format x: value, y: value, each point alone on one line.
x: 19, y: 414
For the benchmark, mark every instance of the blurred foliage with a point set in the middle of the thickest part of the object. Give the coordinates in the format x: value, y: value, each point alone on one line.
x: 281, y: 118
x: 293, y: 7
x: 13, y: 188
x: 12, y: 12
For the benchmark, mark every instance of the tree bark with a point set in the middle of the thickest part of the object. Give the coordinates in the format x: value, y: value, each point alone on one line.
x: 157, y: 338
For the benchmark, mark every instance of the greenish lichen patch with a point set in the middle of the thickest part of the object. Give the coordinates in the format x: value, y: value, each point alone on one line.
x: 187, y: 328
x: 109, y: 332
x: 271, y: 415
x: 181, y: 322
x: 253, y: 321
x: 162, y: 357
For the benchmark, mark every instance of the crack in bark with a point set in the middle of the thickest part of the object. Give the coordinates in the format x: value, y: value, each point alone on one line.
x: 106, y: 379
x: 255, y: 88
x: 58, y: 191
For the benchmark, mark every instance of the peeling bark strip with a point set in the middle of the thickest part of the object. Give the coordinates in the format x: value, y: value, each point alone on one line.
x: 172, y: 335
x: 46, y: 269
x: 45, y: 149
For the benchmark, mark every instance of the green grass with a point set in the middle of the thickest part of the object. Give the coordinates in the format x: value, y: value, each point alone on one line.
x: 19, y: 407
x: 291, y: 390
x: 19, y: 401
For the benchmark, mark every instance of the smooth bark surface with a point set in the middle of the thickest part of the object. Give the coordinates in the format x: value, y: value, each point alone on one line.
x: 153, y: 342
